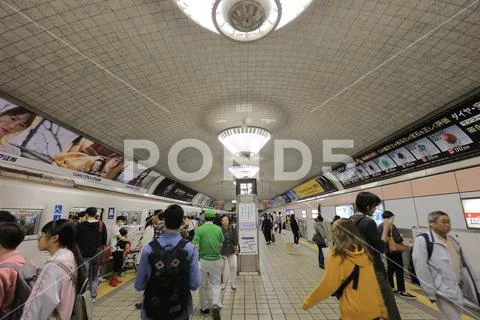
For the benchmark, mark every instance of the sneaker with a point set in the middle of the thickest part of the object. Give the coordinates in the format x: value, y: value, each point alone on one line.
x: 138, y: 306
x: 204, y: 311
x: 93, y: 300
x: 394, y: 290
x: 407, y: 295
x: 234, y: 287
x: 102, y: 279
x: 216, y: 313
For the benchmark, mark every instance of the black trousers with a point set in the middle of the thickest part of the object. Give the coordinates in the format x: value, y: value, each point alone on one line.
x: 388, y: 297
x: 268, y: 234
x: 296, y: 237
x: 395, y: 266
x: 280, y: 227
x: 117, y: 261
x: 321, y: 258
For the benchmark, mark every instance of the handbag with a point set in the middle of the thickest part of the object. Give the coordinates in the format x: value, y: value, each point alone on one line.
x: 104, y: 253
x: 395, y: 247
x: 317, y: 238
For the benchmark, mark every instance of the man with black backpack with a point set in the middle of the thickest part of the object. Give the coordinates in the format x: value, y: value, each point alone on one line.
x: 17, y: 274
x: 366, y: 203
x: 168, y: 270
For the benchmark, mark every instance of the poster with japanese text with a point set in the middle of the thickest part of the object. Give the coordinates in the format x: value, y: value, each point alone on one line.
x: 450, y: 136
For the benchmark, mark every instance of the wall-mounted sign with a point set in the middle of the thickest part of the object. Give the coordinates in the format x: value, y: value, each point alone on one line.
x: 451, y: 136
x: 471, y: 211
x: 172, y: 189
x: 111, y: 213
x: 57, y: 212
x: 247, y: 228
x: 307, y: 189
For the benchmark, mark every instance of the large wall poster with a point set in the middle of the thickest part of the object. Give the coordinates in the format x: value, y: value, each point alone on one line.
x: 29, y: 140
x: 451, y: 136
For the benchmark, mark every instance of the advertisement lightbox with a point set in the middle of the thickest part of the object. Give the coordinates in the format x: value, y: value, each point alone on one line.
x: 344, y: 211
x: 471, y: 212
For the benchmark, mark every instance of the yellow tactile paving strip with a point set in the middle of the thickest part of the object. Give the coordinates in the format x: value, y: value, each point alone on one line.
x: 418, y: 291
x: 104, y: 288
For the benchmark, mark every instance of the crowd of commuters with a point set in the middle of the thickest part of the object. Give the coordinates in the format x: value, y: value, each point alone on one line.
x: 180, y: 254
x: 356, y: 275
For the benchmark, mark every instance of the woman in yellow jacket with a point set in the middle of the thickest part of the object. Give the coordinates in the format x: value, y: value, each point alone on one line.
x: 361, y: 299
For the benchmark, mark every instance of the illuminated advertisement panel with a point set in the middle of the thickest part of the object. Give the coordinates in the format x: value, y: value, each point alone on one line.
x: 30, y: 141
x: 471, y: 211
x: 451, y: 136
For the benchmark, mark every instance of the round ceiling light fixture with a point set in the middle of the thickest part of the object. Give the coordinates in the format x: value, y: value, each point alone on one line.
x: 244, y: 171
x: 243, y: 20
x: 244, y: 141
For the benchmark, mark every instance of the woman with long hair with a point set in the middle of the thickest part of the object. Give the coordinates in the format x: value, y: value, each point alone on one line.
x: 230, y: 249
x: 14, y: 121
x: 62, y: 277
x: 349, y: 265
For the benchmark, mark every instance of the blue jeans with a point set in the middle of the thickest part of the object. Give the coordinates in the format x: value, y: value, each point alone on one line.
x: 91, y: 264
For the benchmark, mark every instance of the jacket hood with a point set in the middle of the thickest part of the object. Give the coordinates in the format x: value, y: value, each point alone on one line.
x: 358, y: 257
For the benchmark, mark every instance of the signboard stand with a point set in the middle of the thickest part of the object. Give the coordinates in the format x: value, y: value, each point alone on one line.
x: 247, y: 219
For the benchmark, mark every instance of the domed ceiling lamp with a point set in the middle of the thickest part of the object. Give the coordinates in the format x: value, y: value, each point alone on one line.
x: 244, y: 141
x: 243, y: 20
x: 244, y: 171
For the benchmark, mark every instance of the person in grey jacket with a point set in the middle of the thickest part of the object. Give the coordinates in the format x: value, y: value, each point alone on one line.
x: 323, y: 229
x: 446, y: 276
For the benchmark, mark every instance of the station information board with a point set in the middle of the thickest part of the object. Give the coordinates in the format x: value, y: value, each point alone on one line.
x: 247, y: 228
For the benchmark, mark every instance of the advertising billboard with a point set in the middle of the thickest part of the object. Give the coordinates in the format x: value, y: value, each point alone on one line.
x: 172, y: 189
x: 344, y: 211
x: 451, y: 136
x: 308, y: 189
x: 471, y: 212
x: 30, y: 141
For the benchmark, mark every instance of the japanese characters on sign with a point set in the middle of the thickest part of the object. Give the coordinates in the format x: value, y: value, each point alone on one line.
x: 451, y: 136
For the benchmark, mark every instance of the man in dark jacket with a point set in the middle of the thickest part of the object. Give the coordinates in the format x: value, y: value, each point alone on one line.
x: 366, y: 203
x: 91, y: 235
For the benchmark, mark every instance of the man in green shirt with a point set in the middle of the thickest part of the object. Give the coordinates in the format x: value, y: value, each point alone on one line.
x: 208, y: 240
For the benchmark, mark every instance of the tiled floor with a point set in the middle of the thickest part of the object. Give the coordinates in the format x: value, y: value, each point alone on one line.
x: 276, y: 294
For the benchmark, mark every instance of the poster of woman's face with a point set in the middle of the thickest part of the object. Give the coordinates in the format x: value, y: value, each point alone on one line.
x: 24, y: 134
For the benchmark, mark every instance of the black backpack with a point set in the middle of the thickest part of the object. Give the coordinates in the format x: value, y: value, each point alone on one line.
x: 167, y: 291
x: 428, y: 243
